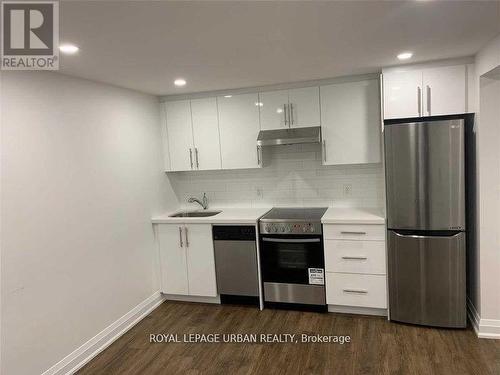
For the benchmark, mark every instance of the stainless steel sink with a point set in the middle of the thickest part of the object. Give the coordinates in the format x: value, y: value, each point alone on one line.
x: 195, y: 213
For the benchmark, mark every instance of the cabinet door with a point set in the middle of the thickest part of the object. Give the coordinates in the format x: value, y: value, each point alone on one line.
x: 272, y: 106
x: 180, y: 135
x: 172, y: 259
x: 200, y: 260
x: 402, y: 94
x: 350, y: 118
x: 304, y: 107
x: 444, y: 90
x: 206, y: 134
x: 239, y: 128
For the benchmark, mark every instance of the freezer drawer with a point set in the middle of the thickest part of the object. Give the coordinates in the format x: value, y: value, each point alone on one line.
x: 427, y: 279
x: 425, y: 175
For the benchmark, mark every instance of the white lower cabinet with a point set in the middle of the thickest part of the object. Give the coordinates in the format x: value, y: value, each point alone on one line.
x: 347, y: 289
x: 355, y: 256
x: 187, y: 260
x: 355, y: 265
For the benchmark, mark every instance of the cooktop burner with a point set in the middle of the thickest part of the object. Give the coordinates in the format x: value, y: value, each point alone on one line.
x: 295, y: 214
x: 295, y: 221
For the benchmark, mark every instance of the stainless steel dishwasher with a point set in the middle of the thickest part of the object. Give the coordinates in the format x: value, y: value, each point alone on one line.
x: 236, y: 264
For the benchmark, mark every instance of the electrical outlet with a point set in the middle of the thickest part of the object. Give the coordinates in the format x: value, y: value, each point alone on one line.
x: 347, y: 190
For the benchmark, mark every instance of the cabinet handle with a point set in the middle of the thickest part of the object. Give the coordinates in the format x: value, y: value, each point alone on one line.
x: 284, y: 113
x: 196, y: 155
x: 191, y: 157
x: 351, y: 232
x: 180, y: 237
x: 187, y: 238
x: 259, y: 159
x: 356, y: 291
x: 419, y: 100
x: 324, y: 150
x: 355, y: 258
x: 291, y: 113
x: 428, y: 100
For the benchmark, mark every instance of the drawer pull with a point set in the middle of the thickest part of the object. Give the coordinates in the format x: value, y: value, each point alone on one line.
x: 356, y: 291
x: 355, y: 258
x: 352, y: 232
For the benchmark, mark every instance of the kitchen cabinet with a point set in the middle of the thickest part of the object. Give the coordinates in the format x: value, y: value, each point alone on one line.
x: 289, y: 108
x: 205, y: 134
x: 413, y: 92
x: 402, y: 94
x: 355, y: 265
x: 187, y: 260
x: 444, y: 90
x: 273, y: 109
x: 239, y: 127
x: 350, y: 122
x: 192, y: 131
x: 304, y: 107
x: 180, y: 135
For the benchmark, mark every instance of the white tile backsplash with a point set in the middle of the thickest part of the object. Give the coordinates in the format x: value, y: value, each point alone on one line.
x: 291, y: 176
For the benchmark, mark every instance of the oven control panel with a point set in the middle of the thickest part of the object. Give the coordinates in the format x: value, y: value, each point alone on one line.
x: 290, y: 228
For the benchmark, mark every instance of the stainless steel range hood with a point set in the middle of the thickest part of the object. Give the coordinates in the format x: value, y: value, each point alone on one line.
x: 289, y: 136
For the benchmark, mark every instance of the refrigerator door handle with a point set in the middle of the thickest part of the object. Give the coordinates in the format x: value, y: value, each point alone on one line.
x: 425, y: 236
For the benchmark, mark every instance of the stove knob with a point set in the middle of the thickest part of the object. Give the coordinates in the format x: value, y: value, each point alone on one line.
x: 311, y: 229
x: 304, y: 229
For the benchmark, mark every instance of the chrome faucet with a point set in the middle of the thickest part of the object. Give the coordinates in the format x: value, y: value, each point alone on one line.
x: 203, y: 203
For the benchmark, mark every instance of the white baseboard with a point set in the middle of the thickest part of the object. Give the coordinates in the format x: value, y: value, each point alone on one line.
x: 84, y: 354
x: 176, y: 297
x: 357, y: 310
x: 484, y: 328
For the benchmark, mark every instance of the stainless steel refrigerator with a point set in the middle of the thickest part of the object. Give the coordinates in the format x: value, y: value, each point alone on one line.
x: 425, y: 181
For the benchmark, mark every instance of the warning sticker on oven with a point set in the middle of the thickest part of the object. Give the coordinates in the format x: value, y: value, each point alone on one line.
x: 316, y: 276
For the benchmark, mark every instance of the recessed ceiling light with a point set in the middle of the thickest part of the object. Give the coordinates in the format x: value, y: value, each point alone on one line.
x: 405, y: 55
x: 180, y: 82
x: 68, y: 48
x: 228, y: 96
x: 259, y: 104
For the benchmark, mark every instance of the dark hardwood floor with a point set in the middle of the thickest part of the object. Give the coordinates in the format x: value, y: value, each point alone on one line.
x: 377, y: 346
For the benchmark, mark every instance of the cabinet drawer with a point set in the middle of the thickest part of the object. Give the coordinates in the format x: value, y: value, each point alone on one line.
x: 355, y: 256
x: 354, y: 232
x: 356, y: 290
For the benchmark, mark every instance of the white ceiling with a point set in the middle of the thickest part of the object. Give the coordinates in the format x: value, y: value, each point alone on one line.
x: 145, y: 45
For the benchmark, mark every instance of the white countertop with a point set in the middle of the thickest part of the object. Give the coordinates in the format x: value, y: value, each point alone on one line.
x: 227, y: 216
x: 338, y: 215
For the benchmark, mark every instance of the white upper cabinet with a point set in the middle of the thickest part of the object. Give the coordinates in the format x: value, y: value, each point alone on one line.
x: 273, y: 109
x: 444, y: 90
x: 402, y: 94
x: 289, y: 108
x: 205, y: 134
x: 418, y: 92
x: 351, y: 122
x: 304, y: 107
x: 180, y: 135
x: 239, y: 127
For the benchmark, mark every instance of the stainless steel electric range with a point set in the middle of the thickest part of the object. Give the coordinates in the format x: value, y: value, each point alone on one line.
x: 292, y: 258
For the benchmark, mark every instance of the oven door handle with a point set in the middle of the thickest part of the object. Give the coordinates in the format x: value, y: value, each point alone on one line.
x: 291, y: 240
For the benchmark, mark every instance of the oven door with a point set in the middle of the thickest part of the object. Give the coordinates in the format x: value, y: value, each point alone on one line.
x: 293, y: 260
